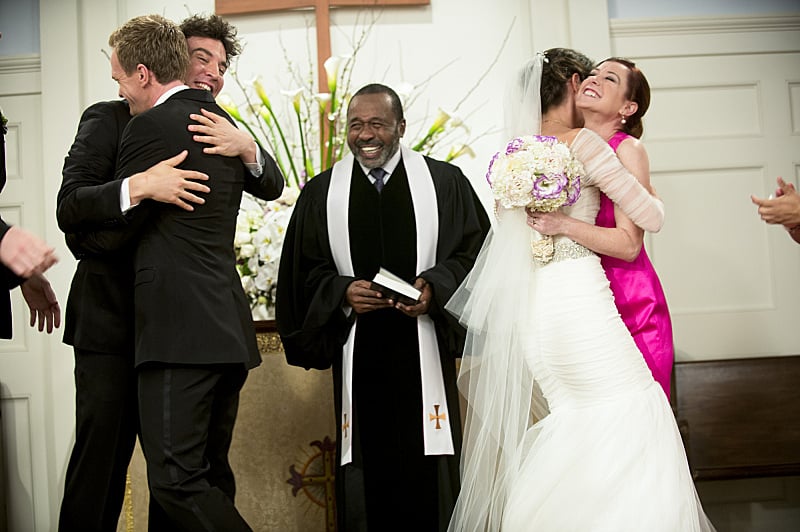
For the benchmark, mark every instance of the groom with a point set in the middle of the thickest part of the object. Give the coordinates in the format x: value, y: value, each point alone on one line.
x: 393, y: 364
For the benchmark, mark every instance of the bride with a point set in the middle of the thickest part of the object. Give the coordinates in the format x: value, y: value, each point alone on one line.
x: 566, y: 429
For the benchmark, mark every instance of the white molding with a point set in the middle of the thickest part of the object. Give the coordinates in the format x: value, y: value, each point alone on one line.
x: 20, y: 64
x: 702, y: 25
x: 705, y: 36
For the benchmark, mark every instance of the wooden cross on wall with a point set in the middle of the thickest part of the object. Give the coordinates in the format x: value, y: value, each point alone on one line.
x: 322, y: 13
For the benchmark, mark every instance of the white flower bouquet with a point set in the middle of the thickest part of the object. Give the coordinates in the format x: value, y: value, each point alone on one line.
x: 537, y: 173
x: 260, y: 227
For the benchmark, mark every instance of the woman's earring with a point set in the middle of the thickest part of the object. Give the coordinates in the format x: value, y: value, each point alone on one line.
x: 623, y: 118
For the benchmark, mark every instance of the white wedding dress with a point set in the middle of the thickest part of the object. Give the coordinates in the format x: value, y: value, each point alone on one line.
x: 606, y: 454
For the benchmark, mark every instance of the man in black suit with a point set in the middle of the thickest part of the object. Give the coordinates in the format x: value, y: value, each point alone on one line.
x: 194, y: 337
x: 24, y: 257
x: 101, y: 297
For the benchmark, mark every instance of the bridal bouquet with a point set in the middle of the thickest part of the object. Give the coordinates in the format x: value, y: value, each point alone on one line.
x: 538, y: 173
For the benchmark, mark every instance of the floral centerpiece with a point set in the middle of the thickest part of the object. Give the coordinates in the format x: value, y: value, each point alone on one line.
x: 537, y: 173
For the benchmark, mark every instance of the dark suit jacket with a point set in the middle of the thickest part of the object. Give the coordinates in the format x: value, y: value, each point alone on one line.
x: 7, y: 278
x: 101, y: 236
x: 101, y: 295
x: 190, y: 307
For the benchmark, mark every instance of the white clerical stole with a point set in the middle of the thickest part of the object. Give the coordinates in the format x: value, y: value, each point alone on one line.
x: 435, y: 415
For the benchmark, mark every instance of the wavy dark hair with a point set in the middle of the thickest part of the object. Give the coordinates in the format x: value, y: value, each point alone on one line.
x: 214, y: 27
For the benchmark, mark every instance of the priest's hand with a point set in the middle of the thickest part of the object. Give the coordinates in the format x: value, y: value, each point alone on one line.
x: 424, y: 304
x: 363, y: 299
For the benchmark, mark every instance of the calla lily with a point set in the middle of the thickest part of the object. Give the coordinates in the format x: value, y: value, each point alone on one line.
x: 258, y: 84
x: 438, y: 125
x: 332, y: 65
x: 457, y: 150
x: 297, y: 100
x: 225, y: 101
x: 323, y: 98
x: 296, y: 96
x: 457, y: 121
x: 267, y: 113
x: 263, y: 112
x: 441, y: 119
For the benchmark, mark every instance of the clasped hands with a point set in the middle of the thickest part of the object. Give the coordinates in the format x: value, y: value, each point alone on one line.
x: 363, y: 299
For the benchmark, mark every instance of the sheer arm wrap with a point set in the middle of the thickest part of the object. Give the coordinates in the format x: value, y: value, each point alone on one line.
x: 604, y: 171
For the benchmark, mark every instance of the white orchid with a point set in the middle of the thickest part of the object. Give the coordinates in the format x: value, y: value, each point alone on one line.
x: 260, y: 227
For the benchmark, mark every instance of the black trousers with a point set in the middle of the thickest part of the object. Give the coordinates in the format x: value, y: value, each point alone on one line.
x: 105, y: 433
x: 187, y: 417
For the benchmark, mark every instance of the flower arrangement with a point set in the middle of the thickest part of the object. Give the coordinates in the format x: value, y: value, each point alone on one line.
x: 260, y: 227
x: 308, y: 135
x: 537, y: 173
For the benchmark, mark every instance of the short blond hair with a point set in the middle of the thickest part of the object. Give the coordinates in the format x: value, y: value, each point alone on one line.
x: 155, y: 42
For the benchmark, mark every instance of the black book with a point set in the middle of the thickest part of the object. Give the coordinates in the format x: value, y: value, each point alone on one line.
x: 394, y: 288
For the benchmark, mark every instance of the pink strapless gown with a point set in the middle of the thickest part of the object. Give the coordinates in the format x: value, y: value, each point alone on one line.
x: 639, y: 298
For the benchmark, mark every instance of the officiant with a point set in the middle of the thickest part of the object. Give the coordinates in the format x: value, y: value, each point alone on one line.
x: 383, y: 206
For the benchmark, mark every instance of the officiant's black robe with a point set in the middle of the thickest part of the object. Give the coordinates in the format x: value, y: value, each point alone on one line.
x: 390, y: 484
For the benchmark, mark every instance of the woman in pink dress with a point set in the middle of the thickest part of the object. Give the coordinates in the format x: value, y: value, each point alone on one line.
x: 613, y: 100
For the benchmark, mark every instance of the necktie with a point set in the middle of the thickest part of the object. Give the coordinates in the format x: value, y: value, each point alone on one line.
x: 378, y: 174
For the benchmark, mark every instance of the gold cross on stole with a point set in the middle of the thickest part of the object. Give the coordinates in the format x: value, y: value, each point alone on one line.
x: 438, y: 417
